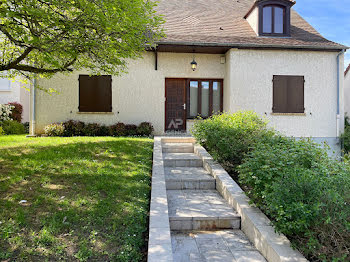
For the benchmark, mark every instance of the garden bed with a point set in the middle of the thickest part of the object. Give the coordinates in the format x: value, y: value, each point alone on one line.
x: 304, y: 192
x: 76, y: 198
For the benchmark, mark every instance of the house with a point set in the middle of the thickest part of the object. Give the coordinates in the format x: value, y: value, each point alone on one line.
x: 14, y: 91
x: 347, y: 91
x: 218, y: 55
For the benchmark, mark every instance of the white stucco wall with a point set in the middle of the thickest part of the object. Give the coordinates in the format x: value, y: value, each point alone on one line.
x: 17, y: 94
x: 347, y: 94
x: 253, y: 20
x: 136, y: 97
x: 249, y: 86
x: 139, y: 95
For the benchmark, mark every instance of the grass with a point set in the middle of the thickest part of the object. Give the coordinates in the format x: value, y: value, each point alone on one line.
x: 87, y: 198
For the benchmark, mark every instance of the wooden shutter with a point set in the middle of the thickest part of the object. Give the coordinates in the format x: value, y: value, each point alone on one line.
x: 288, y: 94
x: 95, y: 93
x: 280, y: 92
x: 296, y: 94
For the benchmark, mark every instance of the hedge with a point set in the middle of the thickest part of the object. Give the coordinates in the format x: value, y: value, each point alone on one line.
x: 78, y: 128
x: 304, y: 192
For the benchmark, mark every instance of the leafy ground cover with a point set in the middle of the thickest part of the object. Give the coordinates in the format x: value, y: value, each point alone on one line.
x: 85, y: 198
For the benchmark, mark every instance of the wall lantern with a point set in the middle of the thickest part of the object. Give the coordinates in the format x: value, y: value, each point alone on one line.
x: 193, y: 64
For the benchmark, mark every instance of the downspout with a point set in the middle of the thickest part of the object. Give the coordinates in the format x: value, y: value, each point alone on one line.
x: 338, y: 94
x: 32, y: 124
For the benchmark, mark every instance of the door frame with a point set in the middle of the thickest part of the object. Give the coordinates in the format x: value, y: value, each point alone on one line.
x: 187, y: 83
x: 185, y: 102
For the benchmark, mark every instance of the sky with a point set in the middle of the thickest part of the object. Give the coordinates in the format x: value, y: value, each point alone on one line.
x: 329, y: 17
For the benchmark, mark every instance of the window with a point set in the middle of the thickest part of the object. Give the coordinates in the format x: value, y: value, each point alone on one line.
x: 274, y: 20
x: 95, y: 93
x: 288, y: 94
x: 204, y: 98
x: 5, y: 84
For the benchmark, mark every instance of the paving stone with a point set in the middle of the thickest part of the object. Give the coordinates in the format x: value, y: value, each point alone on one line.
x: 181, y: 160
x: 213, y: 246
x: 248, y: 256
x: 200, y: 207
x: 236, y: 240
x: 177, y: 147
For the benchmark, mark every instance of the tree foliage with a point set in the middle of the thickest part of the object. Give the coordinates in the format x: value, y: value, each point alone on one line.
x: 49, y: 36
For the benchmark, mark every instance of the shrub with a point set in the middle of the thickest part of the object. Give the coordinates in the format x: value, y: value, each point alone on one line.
x: 2, y: 132
x: 304, y: 192
x: 94, y: 129
x: 5, y: 112
x: 131, y: 130
x: 274, y: 158
x: 16, y: 112
x: 346, y: 138
x: 73, y: 128
x: 145, y: 129
x: 228, y: 137
x: 26, y: 127
x: 11, y: 127
x: 312, y: 209
x: 117, y: 130
x: 54, y: 130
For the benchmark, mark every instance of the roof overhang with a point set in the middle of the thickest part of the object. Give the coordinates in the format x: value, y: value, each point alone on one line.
x: 222, y: 48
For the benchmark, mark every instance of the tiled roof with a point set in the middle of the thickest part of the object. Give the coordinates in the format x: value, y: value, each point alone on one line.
x: 347, y: 70
x: 222, y: 23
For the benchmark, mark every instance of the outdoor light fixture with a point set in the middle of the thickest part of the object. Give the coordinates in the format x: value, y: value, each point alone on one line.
x: 193, y: 64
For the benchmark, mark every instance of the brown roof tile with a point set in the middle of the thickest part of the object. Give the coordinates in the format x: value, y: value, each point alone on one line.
x: 347, y: 70
x: 221, y: 22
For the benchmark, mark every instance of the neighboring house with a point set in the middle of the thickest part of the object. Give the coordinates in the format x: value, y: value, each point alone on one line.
x: 15, y: 92
x: 249, y: 55
x: 347, y: 91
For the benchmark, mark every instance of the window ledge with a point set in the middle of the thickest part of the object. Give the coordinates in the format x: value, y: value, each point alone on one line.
x: 98, y: 113
x: 288, y: 114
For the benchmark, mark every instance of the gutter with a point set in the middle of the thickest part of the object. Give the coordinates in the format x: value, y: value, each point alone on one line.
x: 245, y: 45
x: 338, y: 93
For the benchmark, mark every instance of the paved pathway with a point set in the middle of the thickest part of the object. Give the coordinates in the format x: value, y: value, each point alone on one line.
x: 203, y: 226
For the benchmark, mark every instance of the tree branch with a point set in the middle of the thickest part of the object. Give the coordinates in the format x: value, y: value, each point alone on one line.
x: 9, y: 36
x: 18, y: 59
x: 38, y: 70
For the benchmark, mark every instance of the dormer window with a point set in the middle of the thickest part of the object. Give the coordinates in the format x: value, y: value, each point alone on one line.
x: 274, y: 20
x: 270, y: 17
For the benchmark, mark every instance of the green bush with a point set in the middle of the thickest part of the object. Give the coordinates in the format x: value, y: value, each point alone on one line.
x: 228, y: 137
x: 304, y: 192
x: 2, y: 132
x: 94, y: 129
x: 312, y: 209
x: 73, y: 128
x: 117, y: 130
x: 54, y: 130
x: 276, y: 157
x: 131, y: 130
x: 346, y: 139
x: 145, y: 129
x: 11, y: 127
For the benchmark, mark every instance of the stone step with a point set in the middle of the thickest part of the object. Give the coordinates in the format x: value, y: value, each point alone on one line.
x: 177, y: 148
x: 181, y: 160
x: 200, y: 210
x: 221, y: 245
x: 188, y: 178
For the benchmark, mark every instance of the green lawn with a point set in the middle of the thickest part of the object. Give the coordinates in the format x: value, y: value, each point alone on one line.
x: 87, y: 198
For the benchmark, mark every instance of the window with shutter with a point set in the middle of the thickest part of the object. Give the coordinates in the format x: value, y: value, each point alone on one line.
x: 288, y: 94
x: 95, y: 93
